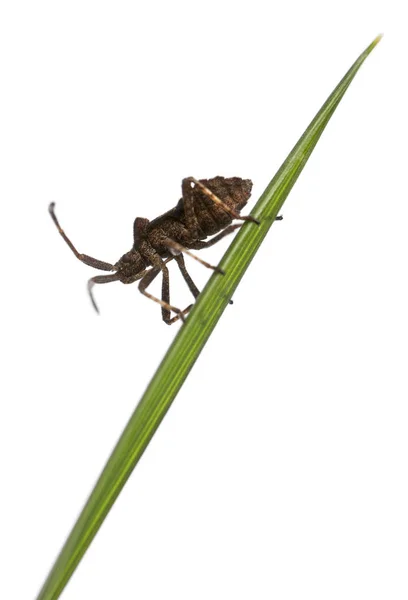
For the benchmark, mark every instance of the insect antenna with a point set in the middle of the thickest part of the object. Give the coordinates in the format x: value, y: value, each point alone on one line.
x: 100, y: 279
x: 88, y: 260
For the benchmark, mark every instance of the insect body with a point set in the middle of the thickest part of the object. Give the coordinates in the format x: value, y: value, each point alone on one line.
x: 207, y: 207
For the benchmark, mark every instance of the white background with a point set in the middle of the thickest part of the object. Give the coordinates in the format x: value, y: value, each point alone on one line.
x: 281, y: 469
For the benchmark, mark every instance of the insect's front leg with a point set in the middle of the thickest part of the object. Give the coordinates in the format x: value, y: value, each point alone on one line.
x: 160, y: 266
x: 166, y: 314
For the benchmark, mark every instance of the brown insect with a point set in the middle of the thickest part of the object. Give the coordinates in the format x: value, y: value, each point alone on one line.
x: 207, y: 207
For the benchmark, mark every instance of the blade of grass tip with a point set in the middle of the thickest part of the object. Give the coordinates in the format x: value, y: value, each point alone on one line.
x: 187, y: 345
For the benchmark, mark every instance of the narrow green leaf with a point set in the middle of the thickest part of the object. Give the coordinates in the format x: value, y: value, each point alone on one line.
x: 187, y: 345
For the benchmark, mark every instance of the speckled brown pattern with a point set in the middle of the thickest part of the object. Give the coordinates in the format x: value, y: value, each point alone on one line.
x: 207, y: 207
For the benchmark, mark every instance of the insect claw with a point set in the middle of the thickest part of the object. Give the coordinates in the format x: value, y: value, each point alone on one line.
x: 219, y: 270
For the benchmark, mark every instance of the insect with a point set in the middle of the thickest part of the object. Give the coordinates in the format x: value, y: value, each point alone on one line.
x: 207, y: 207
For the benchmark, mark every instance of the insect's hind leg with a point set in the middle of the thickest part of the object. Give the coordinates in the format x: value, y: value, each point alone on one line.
x: 178, y: 248
x: 187, y: 183
x: 88, y: 260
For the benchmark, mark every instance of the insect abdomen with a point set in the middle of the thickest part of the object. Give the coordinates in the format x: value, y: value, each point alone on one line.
x: 233, y: 191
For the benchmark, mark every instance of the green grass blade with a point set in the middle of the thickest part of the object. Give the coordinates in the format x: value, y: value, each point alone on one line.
x: 186, y: 347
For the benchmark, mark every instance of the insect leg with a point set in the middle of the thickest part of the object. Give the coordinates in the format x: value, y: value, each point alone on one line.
x: 166, y: 298
x: 99, y: 279
x: 172, y: 245
x: 199, y: 244
x: 165, y: 303
x: 191, y: 285
x: 88, y: 260
x: 216, y: 200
